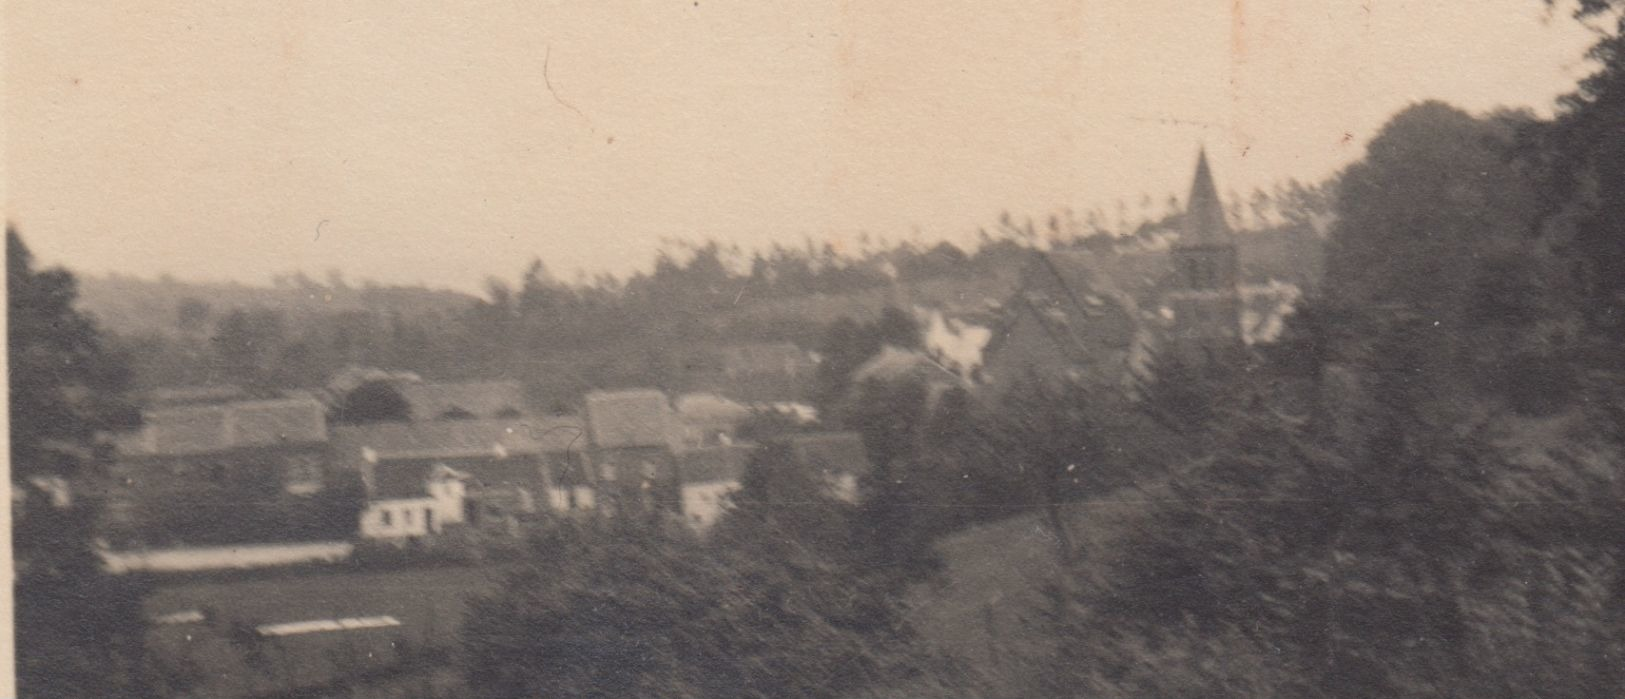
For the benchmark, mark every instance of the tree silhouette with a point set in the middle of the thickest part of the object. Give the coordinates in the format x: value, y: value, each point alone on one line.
x: 79, y: 631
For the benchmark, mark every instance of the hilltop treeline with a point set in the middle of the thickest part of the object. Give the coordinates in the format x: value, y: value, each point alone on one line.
x: 563, y: 337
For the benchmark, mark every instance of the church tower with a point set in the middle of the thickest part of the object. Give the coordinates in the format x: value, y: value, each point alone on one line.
x: 1206, y: 293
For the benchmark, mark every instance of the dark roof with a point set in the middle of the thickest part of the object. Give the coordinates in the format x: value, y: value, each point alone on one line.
x: 455, y: 439
x: 831, y: 452
x: 631, y: 418
x: 393, y: 480
x: 1078, y: 305
x: 396, y: 458
x: 201, y: 429
x: 481, y: 399
x: 1204, y: 213
x: 713, y: 464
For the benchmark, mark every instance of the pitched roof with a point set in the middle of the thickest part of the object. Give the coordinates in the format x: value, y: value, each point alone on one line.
x: 448, y: 439
x: 1075, y: 303
x: 713, y: 464
x: 395, y: 480
x: 201, y: 429
x: 480, y: 399
x: 631, y: 418
x: 831, y: 452
x: 396, y: 458
x: 1204, y: 213
x: 710, y: 408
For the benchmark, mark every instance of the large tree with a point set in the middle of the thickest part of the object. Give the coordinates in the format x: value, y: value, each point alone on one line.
x: 1583, y: 190
x: 1433, y: 232
x: 1390, y: 547
x: 79, y: 631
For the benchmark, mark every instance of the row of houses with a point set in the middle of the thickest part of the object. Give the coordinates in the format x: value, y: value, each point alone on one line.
x: 475, y: 454
x: 468, y: 455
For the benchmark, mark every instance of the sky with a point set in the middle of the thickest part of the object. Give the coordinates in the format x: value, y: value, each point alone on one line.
x: 406, y: 141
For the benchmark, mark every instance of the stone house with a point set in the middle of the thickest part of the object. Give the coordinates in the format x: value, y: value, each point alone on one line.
x: 506, y: 470
x: 241, y: 458
x: 634, y: 436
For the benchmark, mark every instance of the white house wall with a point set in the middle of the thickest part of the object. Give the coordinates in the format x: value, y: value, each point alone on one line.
x: 559, y: 498
x: 410, y: 517
x: 704, y: 503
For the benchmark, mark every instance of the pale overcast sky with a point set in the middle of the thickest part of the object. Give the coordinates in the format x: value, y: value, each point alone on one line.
x: 213, y: 139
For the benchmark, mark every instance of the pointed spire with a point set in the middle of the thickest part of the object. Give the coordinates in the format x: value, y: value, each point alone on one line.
x: 1204, y: 212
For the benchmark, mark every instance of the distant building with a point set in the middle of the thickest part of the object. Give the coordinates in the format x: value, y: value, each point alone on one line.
x: 468, y: 400
x: 405, y: 503
x: 1264, y: 309
x: 1068, y: 320
x: 751, y: 372
x: 506, y: 470
x: 180, y: 446
x: 634, y: 436
x: 427, y: 401
x: 838, y: 459
x: 264, y: 449
x: 1099, y: 316
x: 1206, y: 294
x: 708, y: 476
x: 709, y: 420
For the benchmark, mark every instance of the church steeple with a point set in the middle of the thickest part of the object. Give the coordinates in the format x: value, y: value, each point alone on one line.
x: 1204, y: 213
x: 1206, y: 293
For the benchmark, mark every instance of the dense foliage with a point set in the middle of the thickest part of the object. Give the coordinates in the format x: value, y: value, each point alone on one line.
x: 79, y: 632
x: 778, y: 603
x: 1430, y: 525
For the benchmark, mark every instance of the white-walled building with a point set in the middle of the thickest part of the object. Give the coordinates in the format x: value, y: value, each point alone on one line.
x: 506, y: 470
x: 408, y: 515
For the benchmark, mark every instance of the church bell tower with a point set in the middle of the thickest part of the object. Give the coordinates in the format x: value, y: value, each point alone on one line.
x: 1206, y: 293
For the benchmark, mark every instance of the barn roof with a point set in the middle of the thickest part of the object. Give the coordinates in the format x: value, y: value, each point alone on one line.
x: 478, y: 399
x: 631, y: 418
x: 202, y: 429
x: 396, y: 458
x: 460, y: 438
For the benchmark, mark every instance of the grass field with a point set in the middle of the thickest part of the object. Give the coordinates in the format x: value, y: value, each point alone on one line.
x: 428, y: 602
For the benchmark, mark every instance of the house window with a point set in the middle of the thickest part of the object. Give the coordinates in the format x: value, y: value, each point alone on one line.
x: 406, y: 517
x: 384, y: 518
x: 428, y: 518
x: 303, y: 475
